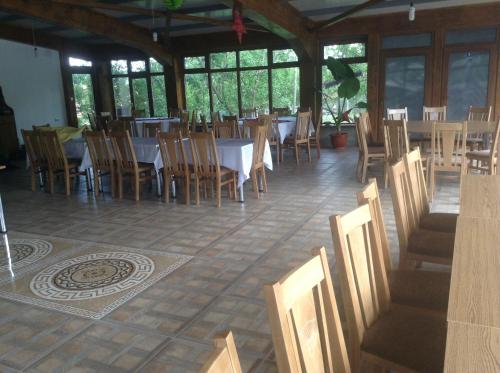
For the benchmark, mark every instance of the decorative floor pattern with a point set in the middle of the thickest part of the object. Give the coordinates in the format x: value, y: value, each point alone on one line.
x: 168, y: 327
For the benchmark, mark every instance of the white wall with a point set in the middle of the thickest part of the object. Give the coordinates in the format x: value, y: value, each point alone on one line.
x: 32, y: 86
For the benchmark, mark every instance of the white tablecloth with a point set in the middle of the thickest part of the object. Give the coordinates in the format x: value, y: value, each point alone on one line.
x: 165, y: 123
x: 286, y: 126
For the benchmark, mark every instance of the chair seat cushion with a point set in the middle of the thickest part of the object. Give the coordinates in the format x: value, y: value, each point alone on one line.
x: 440, y: 222
x: 409, y: 338
x: 478, y: 154
x: 431, y: 243
x: 425, y: 289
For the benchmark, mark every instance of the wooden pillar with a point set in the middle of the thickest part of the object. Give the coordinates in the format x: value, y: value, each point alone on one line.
x: 175, y: 84
x: 69, y: 96
x: 437, y: 59
x: 375, y: 103
x: 103, y: 87
x: 310, y: 80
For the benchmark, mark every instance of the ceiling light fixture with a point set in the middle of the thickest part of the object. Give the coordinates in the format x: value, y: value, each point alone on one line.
x: 155, y: 36
x: 411, y: 13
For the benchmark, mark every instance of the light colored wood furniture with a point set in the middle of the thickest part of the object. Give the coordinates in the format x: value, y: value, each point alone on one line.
x: 434, y: 113
x: 305, y: 322
x: 281, y: 111
x: 194, y: 121
x: 226, y: 130
x: 139, y: 113
x: 56, y: 160
x: 395, y: 144
x: 173, y: 112
x: 258, y: 167
x: 184, y: 123
x: 207, y: 168
x: 92, y: 121
x: 204, y: 124
x: 150, y: 129
x: 102, y: 160
x: 479, y: 197
x: 314, y: 139
x: 415, y: 244
x: 436, y: 221
x: 448, y: 148
x: 367, y: 154
x: 273, y: 136
x: 301, y: 137
x: 486, y: 161
x: 215, y: 117
x: 175, y: 165
x: 37, y: 158
x: 397, y: 114
x: 381, y: 333
x: 123, y: 124
x: 425, y: 126
x: 249, y: 113
x: 127, y: 164
x: 481, y: 114
x: 35, y: 127
x: 224, y: 359
x: 174, y: 128
x: 423, y: 289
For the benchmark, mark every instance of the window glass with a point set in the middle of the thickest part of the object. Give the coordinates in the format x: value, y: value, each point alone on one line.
x: 407, y: 41
x: 197, y: 96
x: 84, y: 97
x: 254, y: 90
x: 286, y: 88
x: 224, y: 93
x: 485, y: 35
x: 159, y: 96
x: 79, y: 62
x: 155, y: 66
x: 256, y: 57
x: 194, y: 62
x: 119, y: 67
x: 344, y: 50
x: 284, y: 55
x: 224, y: 60
x: 121, y: 93
x: 140, y: 90
x: 138, y: 66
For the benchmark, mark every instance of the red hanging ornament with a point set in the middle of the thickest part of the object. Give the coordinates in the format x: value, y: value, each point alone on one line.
x: 238, y: 25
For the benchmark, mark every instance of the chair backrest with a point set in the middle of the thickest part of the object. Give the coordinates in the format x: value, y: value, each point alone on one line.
x: 302, y: 125
x: 417, y: 183
x: 124, y: 150
x: 397, y: 114
x: 448, y: 144
x: 224, y: 359
x: 370, y: 195
x: 494, y: 150
x: 150, y: 129
x: 172, y: 152
x: 92, y: 120
x: 204, y: 124
x: 123, y: 124
x: 480, y: 114
x: 361, y: 133
x: 53, y: 150
x: 35, y: 127
x: 395, y: 139
x: 404, y: 210
x: 281, y: 111
x: 434, y: 113
x: 173, y: 112
x: 174, y: 128
x: 249, y: 113
x: 227, y: 130
x: 194, y: 121
x: 215, y: 117
x: 33, y: 149
x: 99, y: 150
x: 318, y: 124
x: 363, y: 276
x: 184, y: 118
x: 259, y: 144
x: 305, y: 323
x: 139, y: 113
x: 205, y: 157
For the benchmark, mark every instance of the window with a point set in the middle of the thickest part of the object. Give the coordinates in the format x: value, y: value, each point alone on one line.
x: 197, y: 93
x: 224, y: 60
x: 139, y: 84
x: 225, y: 92
x: 77, y: 62
x: 344, y: 51
x: 254, y: 90
x: 194, y: 62
x: 407, y: 41
x: 484, y: 35
x: 284, y: 55
x: 286, y: 88
x: 257, y: 57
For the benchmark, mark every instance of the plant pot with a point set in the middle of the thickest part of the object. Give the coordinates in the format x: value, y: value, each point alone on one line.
x: 339, y: 140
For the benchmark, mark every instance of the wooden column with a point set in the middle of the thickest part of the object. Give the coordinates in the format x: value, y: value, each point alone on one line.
x: 310, y: 80
x: 437, y: 67
x: 374, y: 66
x: 103, y: 88
x: 69, y: 96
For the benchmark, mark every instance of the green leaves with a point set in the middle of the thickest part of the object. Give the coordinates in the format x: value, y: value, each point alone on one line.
x: 348, y: 88
x: 346, y: 78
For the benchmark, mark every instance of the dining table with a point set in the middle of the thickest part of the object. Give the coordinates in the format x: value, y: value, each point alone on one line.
x: 235, y: 154
x: 285, y: 126
x: 164, y: 122
x: 425, y: 126
x: 473, y: 334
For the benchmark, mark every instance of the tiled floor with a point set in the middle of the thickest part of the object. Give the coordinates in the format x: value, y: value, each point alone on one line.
x: 237, y: 249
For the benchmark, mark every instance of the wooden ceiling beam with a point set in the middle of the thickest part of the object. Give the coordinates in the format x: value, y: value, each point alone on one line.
x: 90, y: 21
x: 346, y: 14
x: 282, y: 19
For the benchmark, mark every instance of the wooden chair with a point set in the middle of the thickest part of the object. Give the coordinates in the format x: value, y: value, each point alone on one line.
x: 57, y: 161
x: 259, y: 145
x: 301, y: 137
x: 367, y: 154
x: 395, y: 144
x: 314, y: 139
x: 435, y: 221
x: 184, y: 123
x: 92, y: 121
x: 437, y: 113
x: 102, y: 160
x: 477, y: 114
x: 273, y: 136
x: 204, y: 124
x: 207, y: 168
x: 397, y: 114
x: 305, y: 322
x: 368, y: 130
x: 486, y: 161
x: 382, y: 334
x: 228, y: 129
x: 424, y: 289
x: 37, y: 159
x: 225, y: 357
x: 249, y: 113
x: 249, y: 128
x: 215, y: 117
x: 127, y: 164
x: 175, y: 165
x: 139, y: 113
x: 448, y: 149
x: 174, y: 128
x: 194, y: 121
x: 35, y: 127
x: 281, y: 111
x: 123, y: 124
x: 150, y: 129
x: 415, y: 244
x: 173, y: 113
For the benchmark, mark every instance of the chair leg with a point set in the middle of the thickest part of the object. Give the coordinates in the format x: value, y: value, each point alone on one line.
x: 297, y: 153
x: 197, y: 189
x: 120, y: 185
x: 365, y: 168
x: 51, y: 182
x: 97, y: 186
x: 137, y: 187
x: 386, y: 174
x: 218, y: 192
x: 433, y: 184
x: 187, y: 197
x: 235, y: 186
x: 318, y: 149
x: 166, y: 185
x: 309, y: 151
x: 112, y: 176
x: 278, y: 151
x: 255, y: 183
x: 67, y: 182
x: 264, y: 180
x: 33, y: 181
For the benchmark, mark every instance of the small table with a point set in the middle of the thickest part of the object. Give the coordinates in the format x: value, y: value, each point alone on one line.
x: 164, y: 122
x: 480, y: 196
x: 425, y: 126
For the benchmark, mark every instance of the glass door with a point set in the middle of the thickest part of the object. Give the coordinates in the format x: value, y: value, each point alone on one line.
x: 84, y: 97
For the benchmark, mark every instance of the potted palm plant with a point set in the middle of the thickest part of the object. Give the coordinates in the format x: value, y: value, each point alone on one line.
x: 346, y: 84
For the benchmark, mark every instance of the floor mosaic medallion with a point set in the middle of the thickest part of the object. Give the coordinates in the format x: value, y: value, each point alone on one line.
x: 22, y: 252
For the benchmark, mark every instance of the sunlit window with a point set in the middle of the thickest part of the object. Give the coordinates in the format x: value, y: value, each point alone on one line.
x: 78, y: 62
